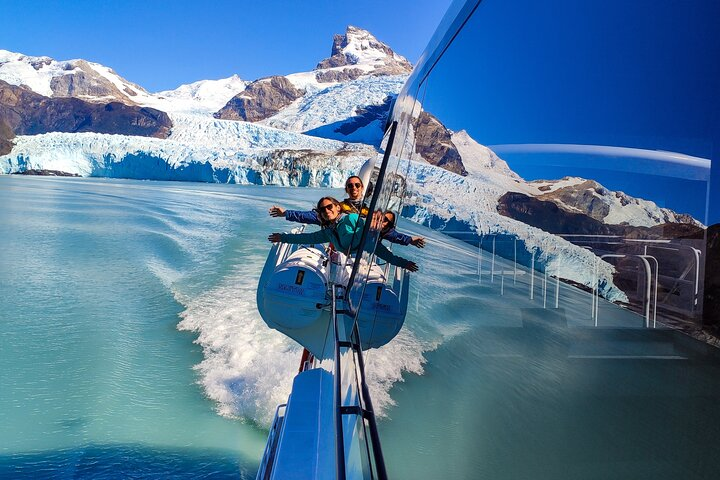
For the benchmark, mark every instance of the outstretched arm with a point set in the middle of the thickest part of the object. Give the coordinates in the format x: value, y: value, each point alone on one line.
x: 299, y: 216
x: 385, y: 254
x: 394, y: 236
x: 321, y: 236
x: 276, y: 211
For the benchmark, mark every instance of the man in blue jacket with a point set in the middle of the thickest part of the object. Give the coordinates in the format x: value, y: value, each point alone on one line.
x: 353, y: 204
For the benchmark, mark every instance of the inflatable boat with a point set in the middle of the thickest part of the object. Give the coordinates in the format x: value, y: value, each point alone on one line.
x: 294, y: 297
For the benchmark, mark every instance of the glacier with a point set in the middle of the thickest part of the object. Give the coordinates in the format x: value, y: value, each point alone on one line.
x: 459, y: 205
x: 199, y: 149
x: 204, y: 149
x: 336, y: 103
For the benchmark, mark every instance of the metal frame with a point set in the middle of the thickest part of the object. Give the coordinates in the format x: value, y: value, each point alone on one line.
x: 364, y: 409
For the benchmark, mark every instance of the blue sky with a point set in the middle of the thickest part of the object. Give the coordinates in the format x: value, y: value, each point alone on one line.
x: 162, y: 44
x: 642, y: 74
x: 595, y: 81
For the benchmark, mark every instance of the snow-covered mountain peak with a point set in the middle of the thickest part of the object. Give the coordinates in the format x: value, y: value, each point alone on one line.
x: 97, y: 83
x: 204, y: 96
x: 8, y: 56
x: 478, y: 158
x: 549, y: 186
x: 589, y: 197
x: 33, y: 73
x: 358, y: 52
x: 77, y: 78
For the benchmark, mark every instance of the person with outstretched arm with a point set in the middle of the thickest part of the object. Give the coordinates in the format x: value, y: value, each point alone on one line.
x: 388, y: 232
x: 343, y: 231
x: 353, y: 204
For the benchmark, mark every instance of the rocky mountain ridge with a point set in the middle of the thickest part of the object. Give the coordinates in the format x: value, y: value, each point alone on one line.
x: 355, y: 54
x: 261, y: 99
x: 23, y: 112
x: 612, y: 207
x: 88, y: 81
x: 339, y: 109
x: 362, y: 54
x: 548, y: 216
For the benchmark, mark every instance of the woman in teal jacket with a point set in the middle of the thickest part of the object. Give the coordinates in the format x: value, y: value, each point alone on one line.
x: 343, y: 231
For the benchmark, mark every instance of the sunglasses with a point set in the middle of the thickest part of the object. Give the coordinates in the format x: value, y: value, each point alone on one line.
x: 356, y: 185
x: 327, y: 206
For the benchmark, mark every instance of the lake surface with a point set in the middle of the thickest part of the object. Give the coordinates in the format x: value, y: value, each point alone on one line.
x: 131, y: 347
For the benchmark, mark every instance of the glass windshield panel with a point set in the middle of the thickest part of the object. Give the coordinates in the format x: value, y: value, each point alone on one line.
x: 564, y: 154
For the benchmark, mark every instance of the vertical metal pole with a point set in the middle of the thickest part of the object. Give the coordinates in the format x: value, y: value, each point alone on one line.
x: 557, y: 289
x: 657, y: 268
x: 545, y: 289
x: 339, y: 438
x: 532, y: 276
x: 648, y: 289
x: 480, y: 258
x: 697, y: 275
x: 653, y: 298
x: 492, y: 266
x: 594, y: 291
x: 515, y: 262
x: 597, y: 291
x: 502, y: 282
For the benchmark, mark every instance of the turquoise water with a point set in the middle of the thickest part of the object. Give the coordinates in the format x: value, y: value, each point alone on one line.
x: 95, y: 374
x: 131, y: 348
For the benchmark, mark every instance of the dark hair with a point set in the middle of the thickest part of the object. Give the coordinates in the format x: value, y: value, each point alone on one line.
x: 391, y: 223
x: 354, y: 176
x: 319, y: 210
x: 334, y: 201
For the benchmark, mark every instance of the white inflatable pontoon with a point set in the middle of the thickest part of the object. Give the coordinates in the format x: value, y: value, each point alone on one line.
x: 293, y: 297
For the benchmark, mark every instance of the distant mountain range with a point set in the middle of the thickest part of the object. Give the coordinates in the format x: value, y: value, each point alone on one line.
x: 308, y: 128
x: 314, y: 129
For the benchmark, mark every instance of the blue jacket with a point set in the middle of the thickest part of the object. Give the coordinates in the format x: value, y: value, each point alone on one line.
x: 345, y: 235
x: 311, y: 217
x: 394, y: 236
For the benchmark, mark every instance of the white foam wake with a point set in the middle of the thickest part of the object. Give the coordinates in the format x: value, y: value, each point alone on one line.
x: 248, y: 368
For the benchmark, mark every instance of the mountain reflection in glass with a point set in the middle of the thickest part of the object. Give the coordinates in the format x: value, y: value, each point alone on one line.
x: 577, y: 140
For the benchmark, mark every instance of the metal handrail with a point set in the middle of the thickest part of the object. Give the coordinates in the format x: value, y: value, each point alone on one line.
x: 365, y: 411
x: 369, y: 412
x: 266, y: 464
x: 337, y: 393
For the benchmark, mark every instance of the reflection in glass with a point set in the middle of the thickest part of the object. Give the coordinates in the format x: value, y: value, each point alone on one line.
x: 565, y: 155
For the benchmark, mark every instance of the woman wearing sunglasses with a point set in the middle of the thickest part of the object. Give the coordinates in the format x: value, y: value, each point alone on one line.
x: 343, y: 231
x: 353, y: 204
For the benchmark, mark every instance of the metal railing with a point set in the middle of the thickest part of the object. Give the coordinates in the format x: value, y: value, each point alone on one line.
x: 266, y: 465
x: 362, y: 408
